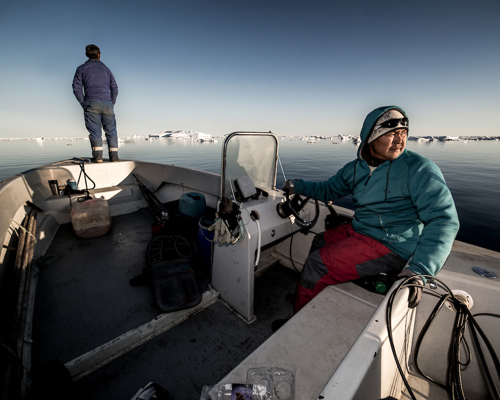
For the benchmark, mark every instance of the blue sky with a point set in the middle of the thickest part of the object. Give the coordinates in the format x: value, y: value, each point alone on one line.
x: 217, y: 66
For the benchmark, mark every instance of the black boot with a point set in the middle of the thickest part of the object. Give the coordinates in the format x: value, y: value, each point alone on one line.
x: 97, y: 157
x: 113, y: 156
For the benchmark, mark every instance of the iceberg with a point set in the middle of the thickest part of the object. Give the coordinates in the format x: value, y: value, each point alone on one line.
x: 183, y: 134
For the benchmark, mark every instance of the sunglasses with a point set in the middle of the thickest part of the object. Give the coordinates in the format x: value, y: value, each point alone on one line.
x: 392, y: 123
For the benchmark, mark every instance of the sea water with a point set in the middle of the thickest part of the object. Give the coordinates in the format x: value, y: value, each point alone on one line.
x: 471, y: 168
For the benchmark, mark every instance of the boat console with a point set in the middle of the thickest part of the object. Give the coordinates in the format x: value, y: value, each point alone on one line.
x: 251, y: 158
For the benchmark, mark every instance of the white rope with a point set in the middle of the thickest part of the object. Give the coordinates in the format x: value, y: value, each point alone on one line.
x: 230, y: 183
x: 281, y: 165
x: 23, y: 228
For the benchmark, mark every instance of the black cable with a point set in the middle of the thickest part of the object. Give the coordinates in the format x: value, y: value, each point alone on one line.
x: 482, y: 358
x: 493, y: 354
x: 463, y: 319
x: 454, y: 365
x: 486, y: 315
x: 426, y: 326
x: 389, y: 327
x: 389, y: 324
x: 85, y: 176
x: 468, y: 354
x: 391, y: 340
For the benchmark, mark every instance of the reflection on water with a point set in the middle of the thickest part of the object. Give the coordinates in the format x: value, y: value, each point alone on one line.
x: 471, y: 168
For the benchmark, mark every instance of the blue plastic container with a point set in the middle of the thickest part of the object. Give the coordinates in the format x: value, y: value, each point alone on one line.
x: 192, y: 204
x: 205, y: 239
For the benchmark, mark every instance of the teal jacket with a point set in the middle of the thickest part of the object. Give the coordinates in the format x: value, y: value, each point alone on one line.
x: 405, y: 203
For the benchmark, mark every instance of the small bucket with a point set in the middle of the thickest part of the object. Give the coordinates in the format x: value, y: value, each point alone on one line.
x: 205, y: 239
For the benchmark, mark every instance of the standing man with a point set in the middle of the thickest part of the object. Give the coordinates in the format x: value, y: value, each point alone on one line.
x: 405, y: 220
x: 96, y: 90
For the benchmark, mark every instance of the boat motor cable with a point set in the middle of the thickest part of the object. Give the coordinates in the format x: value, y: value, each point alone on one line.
x: 463, y: 318
x: 87, y: 196
x: 249, y: 214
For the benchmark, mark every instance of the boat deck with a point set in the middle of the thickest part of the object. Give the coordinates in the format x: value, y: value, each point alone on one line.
x: 85, y: 301
x: 85, y: 307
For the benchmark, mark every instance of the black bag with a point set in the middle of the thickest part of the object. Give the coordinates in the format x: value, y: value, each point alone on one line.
x: 174, y: 284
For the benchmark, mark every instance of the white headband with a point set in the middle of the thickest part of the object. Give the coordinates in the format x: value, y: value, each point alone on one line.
x: 379, y: 131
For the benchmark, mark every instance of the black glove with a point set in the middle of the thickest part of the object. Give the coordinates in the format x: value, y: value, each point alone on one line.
x: 289, y: 187
x: 415, y: 294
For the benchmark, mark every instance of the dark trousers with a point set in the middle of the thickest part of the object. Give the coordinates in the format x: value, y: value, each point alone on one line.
x: 342, y: 255
x: 99, y: 114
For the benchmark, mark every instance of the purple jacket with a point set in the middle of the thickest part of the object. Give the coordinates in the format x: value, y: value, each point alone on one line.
x: 96, y: 80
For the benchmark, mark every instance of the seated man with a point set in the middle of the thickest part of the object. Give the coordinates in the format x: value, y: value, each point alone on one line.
x: 404, y: 211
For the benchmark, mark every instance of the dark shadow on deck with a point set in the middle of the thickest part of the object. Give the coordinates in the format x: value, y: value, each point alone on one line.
x: 85, y: 300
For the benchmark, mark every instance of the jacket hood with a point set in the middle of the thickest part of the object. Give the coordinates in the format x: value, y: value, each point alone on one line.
x: 369, y: 124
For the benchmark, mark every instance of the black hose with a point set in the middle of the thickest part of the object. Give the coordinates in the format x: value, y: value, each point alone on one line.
x: 463, y: 319
x: 482, y: 358
x: 454, y: 364
x: 391, y: 340
x: 493, y: 354
x: 486, y: 315
x: 426, y: 326
x: 85, y: 176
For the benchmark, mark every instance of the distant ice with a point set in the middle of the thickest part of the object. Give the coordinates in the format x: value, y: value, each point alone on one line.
x: 183, y: 134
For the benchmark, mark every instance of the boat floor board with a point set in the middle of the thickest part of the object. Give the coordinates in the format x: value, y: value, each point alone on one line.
x: 316, y: 339
x: 87, y: 290
x: 85, y: 300
x: 200, y: 351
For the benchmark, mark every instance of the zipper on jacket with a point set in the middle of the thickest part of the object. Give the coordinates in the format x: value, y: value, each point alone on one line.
x: 382, y: 225
x: 369, y: 176
x: 366, y: 183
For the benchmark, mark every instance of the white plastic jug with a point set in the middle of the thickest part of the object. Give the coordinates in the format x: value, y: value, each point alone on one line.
x: 91, y: 218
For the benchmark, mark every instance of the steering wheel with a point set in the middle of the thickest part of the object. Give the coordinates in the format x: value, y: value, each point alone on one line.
x: 293, y: 206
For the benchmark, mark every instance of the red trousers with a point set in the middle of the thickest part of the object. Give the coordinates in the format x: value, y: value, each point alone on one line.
x: 341, y: 255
